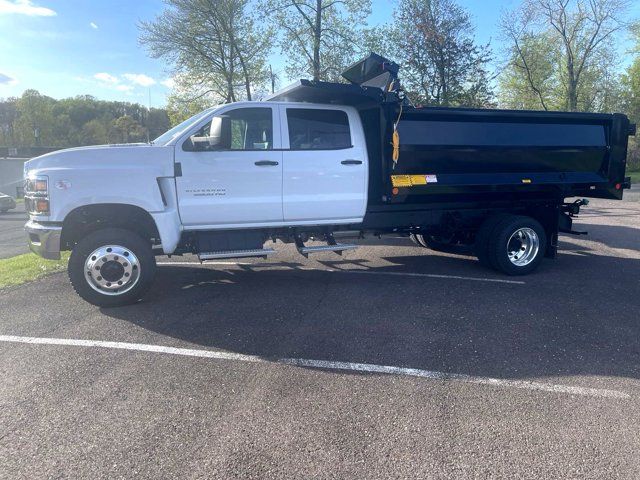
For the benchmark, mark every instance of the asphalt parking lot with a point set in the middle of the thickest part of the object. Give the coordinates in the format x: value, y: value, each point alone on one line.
x: 389, y: 362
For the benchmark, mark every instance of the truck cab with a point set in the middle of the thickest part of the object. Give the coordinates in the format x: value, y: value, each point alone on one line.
x: 255, y: 165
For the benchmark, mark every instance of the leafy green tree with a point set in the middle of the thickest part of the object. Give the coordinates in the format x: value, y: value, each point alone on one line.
x: 216, y: 47
x: 560, y: 50
x: 126, y: 129
x: 157, y: 122
x: 95, y: 132
x: 8, y: 116
x: 82, y: 120
x: 630, y: 85
x: 441, y: 62
x: 319, y: 38
x: 34, y: 125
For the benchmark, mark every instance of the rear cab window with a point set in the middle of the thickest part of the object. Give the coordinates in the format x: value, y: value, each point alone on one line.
x: 318, y: 129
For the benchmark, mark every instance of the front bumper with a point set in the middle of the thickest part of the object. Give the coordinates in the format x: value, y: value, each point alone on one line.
x: 44, y: 240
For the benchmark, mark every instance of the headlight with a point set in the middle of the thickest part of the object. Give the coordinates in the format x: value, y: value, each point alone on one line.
x: 36, y: 194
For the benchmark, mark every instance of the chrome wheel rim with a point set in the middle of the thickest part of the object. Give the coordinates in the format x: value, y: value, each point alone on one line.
x: 112, y: 270
x: 523, y: 246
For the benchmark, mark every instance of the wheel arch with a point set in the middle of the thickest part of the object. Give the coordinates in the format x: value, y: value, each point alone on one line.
x: 86, y: 219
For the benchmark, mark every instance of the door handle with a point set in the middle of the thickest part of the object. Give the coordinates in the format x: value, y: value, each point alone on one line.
x: 351, y: 162
x: 266, y: 163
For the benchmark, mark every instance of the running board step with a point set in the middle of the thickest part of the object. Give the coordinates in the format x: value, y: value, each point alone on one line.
x: 338, y: 248
x: 236, y: 254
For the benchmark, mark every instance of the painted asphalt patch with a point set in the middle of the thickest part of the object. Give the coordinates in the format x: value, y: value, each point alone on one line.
x: 325, y: 365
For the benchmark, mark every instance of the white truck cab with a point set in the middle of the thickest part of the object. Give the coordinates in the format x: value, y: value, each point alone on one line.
x: 246, y: 166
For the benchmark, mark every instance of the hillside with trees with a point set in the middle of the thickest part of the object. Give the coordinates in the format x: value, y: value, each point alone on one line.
x: 37, y: 120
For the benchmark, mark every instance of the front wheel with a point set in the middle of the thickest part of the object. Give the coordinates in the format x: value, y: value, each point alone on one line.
x: 112, y: 267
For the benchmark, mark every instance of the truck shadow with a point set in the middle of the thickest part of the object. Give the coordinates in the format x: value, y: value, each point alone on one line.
x: 576, y: 316
x: 614, y: 236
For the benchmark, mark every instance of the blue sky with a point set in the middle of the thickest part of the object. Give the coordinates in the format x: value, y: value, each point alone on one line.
x: 70, y: 47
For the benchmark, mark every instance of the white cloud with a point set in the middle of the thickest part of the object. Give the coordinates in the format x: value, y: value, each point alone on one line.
x: 140, y: 79
x: 24, y: 7
x: 169, y: 82
x: 124, y: 88
x: 106, y: 78
x: 7, y: 80
x: 93, y: 25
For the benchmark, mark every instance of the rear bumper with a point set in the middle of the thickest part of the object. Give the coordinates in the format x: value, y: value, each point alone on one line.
x: 44, y: 240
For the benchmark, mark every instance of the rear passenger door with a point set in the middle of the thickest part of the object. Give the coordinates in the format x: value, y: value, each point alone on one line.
x: 324, y: 165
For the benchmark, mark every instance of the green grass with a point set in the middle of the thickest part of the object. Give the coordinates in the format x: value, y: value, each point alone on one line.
x: 28, y: 267
x: 635, y: 176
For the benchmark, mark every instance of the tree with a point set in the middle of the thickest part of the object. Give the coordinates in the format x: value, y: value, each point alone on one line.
x: 320, y: 38
x: 560, y: 48
x: 70, y: 122
x: 95, y: 132
x: 630, y: 84
x: 442, y: 65
x: 34, y: 124
x: 8, y: 116
x: 157, y: 122
x: 125, y: 129
x: 216, y: 46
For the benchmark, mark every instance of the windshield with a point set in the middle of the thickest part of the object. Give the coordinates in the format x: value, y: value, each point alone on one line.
x: 169, y: 135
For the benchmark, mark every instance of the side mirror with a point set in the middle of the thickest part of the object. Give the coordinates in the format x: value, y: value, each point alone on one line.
x: 220, y: 133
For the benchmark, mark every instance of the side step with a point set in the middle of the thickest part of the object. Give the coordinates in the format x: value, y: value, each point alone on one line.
x: 236, y: 254
x: 338, y: 248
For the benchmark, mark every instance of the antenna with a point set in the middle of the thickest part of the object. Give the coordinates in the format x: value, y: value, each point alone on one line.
x: 148, y: 115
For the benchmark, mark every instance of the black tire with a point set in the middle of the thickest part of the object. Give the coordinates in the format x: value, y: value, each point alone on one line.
x: 132, y: 242
x: 414, y: 239
x: 483, y: 237
x: 499, y: 244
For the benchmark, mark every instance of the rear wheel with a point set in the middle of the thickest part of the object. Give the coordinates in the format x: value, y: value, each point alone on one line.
x: 516, y: 245
x: 112, y: 267
x: 483, y: 239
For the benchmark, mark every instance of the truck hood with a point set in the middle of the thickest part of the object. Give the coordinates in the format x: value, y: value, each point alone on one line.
x: 90, y: 156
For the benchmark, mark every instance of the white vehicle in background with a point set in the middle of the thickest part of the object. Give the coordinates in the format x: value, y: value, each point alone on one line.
x: 6, y: 203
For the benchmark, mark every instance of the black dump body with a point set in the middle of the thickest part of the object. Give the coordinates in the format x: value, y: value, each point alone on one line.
x: 473, y: 158
x: 467, y: 151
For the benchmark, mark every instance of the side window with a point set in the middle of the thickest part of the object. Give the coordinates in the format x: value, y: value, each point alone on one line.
x: 314, y: 129
x: 240, y: 129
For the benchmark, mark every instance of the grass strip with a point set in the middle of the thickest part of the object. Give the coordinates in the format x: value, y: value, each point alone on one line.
x: 28, y: 267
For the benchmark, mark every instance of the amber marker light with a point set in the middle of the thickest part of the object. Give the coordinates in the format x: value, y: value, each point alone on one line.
x: 42, y: 206
x: 40, y: 185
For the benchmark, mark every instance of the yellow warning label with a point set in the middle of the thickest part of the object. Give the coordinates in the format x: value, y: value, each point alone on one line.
x: 412, y: 180
x: 401, y: 180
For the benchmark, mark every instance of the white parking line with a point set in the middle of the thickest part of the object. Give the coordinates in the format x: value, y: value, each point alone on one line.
x: 360, y: 272
x: 322, y: 364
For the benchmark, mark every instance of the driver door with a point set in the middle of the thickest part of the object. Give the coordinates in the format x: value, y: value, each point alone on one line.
x: 232, y: 171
